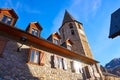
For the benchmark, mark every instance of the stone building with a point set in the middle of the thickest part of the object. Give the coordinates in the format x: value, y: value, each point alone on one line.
x: 25, y: 55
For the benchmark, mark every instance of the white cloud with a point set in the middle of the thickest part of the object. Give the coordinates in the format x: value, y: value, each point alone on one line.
x: 96, y: 4
x: 19, y: 6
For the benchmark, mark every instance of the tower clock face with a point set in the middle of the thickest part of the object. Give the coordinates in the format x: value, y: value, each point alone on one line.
x: 81, y: 31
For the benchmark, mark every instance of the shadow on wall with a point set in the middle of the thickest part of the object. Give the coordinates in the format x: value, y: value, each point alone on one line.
x: 13, y: 64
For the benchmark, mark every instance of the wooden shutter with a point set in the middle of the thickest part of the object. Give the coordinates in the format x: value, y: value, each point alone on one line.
x: 80, y: 68
x: 55, y: 61
x: 64, y: 64
x: 2, y: 45
x: 41, y: 58
x: 84, y: 74
x: 73, y: 66
x: 88, y: 74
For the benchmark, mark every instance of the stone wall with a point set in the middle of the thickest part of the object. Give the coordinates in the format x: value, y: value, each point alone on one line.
x: 14, y: 65
x: 77, y: 44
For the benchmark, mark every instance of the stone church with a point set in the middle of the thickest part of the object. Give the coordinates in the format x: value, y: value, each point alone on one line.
x: 64, y: 55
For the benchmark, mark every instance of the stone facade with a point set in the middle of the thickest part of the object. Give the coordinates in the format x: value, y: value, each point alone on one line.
x: 14, y: 66
x: 24, y: 55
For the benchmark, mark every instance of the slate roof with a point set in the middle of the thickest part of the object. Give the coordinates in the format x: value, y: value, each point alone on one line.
x: 10, y: 10
x: 67, y: 17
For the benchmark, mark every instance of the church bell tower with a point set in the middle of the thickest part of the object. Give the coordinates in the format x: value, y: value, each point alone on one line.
x: 73, y: 30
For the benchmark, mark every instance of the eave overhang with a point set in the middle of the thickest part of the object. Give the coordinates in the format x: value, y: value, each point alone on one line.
x: 10, y: 10
x: 42, y: 42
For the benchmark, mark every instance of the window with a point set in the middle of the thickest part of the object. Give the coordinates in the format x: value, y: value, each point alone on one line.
x: 9, y: 20
x: 35, y: 32
x: 36, y: 57
x: 72, y: 32
x: 32, y: 56
x: 69, y: 47
x: 71, y: 25
x: 55, y: 41
x: 76, y: 67
x: 59, y: 62
x: 6, y: 19
x: 60, y: 65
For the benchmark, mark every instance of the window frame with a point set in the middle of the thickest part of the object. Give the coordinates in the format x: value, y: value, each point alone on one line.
x: 69, y: 47
x: 6, y: 20
x: 41, y: 56
x: 72, y: 32
x: 59, y: 62
x: 55, y: 40
x: 76, y: 67
x: 33, y: 32
x: 71, y: 25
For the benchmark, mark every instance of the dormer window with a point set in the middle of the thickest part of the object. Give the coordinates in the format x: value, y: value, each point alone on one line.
x: 54, y: 38
x: 67, y: 44
x: 6, y: 19
x: 8, y: 16
x: 55, y: 41
x: 34, y: 28
x: 35, y: 32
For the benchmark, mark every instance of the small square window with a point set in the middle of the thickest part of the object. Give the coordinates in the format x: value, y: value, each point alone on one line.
x: 55, y: 41
x: 69, y: 47
x: 6, y: 19
x: 35, y: 32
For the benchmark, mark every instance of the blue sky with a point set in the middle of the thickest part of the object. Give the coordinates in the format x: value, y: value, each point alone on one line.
x: 94, y: 14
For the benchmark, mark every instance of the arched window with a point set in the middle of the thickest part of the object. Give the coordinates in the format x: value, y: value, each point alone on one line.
x: 71, y: 25
x: 72, y: 32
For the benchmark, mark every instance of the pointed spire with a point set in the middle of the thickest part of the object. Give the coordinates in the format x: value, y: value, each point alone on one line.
x: 67, y: 17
